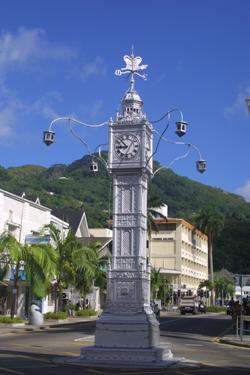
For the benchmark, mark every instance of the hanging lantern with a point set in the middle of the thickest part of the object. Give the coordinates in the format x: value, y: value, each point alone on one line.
x: 93, y: 166
x: 201, y: 166
x: 48, y: 137
x: 181, y: 128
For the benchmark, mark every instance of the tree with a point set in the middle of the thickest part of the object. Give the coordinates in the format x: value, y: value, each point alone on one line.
x: 37, y: 262
x: 155, y: 282
x: 210, y: 221
x: 89, y: 266
x: 64, y: 248
x: 77, y: 265
x: 153, y: 213
x: 160, y: 287
x: 224, y: 288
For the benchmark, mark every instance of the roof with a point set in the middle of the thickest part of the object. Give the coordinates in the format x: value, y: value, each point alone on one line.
x: 21, y: 196
x: 105, y: 243
x: 70, y: 215
x: 183, y: 222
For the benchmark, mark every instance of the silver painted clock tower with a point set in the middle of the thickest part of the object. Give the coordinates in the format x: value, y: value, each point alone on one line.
x: 127, y: 331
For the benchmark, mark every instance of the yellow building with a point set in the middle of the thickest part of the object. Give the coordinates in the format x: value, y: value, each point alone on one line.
x: 180, y: 251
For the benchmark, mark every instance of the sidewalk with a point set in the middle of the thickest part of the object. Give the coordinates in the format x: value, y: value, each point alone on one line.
x: 234, y: 340
x: 50, y: 323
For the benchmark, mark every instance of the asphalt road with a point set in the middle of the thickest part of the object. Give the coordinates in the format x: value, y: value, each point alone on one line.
x: 191, y: 337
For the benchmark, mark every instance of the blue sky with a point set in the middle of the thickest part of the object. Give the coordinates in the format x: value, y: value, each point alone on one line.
x: 58, y: 58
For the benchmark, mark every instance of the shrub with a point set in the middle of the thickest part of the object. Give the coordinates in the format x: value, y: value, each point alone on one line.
x: 9, y: 320
x: 85, y: 313
x: 216, y: 309
x: 57, y: 315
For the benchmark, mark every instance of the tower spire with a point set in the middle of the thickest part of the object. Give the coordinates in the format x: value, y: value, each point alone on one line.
x: 132, y: 102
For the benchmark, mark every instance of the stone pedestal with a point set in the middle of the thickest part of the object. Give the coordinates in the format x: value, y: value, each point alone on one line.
x: 131, y: 339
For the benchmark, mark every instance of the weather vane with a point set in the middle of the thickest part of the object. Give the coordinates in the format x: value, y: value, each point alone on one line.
x: 132, y: 66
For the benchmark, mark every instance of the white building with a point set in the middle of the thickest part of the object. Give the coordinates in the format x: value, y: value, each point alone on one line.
x: 24, y: 219
x: 180, y: 251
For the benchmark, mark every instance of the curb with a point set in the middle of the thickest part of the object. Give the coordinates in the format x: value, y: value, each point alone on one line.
x: 234, y: 343
x: 14, y: 328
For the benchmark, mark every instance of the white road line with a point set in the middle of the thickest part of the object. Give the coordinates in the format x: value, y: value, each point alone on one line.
x: 85, y: 338
x: 193, y: 345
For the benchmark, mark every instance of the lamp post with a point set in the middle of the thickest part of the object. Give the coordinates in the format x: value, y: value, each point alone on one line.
x: 127, y: 333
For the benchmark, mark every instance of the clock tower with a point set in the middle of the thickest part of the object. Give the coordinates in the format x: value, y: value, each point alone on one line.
x: 127, y: 331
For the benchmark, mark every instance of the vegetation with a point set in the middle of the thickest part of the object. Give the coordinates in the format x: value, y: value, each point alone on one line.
x: 77, y: 265
x: 37, y: 263
x: 224, y: 288
x: 75, y: 186
x: 85, y: 313
x: 55, y: 315
x: 9, y: 320
x: 160, y: 287
x: 210, y: 222
x: 216, y: 309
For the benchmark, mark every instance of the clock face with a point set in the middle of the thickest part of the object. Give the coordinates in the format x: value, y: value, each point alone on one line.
x: 126, y: 146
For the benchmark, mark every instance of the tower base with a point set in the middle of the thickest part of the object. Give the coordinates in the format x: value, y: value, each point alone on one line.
x: 126, y: 357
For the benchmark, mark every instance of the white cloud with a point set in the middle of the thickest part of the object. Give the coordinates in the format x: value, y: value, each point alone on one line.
x: 93, y: 110
x: 45, y: 105
x: 12, y: 109
x: 244, y: 191
x: 239, y: 103
x: 95, y: 68
x: 28, y: 45
x: 7, y: 119
x: 9, y: 108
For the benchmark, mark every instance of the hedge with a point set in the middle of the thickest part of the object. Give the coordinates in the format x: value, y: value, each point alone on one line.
x: 85, y: 313
x: 216, y: 309
x: 9, y: 320
x: 57, y: 315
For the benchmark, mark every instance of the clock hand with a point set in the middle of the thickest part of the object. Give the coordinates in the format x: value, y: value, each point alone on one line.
x: 123, y: 143
x: 129, y: 147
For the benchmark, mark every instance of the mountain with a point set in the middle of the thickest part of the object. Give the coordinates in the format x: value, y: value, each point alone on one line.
x: 74, y: 186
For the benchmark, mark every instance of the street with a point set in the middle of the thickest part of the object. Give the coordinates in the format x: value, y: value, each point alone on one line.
x: 191, y: 337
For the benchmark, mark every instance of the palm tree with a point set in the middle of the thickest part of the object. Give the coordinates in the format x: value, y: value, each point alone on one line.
x: 153, y: 213
x: 224, y: 288
x: 37, y: 262
x: 90, y: 266
x: 77, y: 265
x: 210, y: 221
x: 155, y: 282
x: 64, y: 248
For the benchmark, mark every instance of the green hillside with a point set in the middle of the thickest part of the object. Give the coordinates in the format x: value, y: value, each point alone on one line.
x: 74, y: 186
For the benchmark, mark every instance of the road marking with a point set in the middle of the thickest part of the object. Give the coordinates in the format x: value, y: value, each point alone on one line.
x: 71, y: 354
x: 193, y: 345
x: 85, y: 338
x: 12, y: 371
x: 217, y: 338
